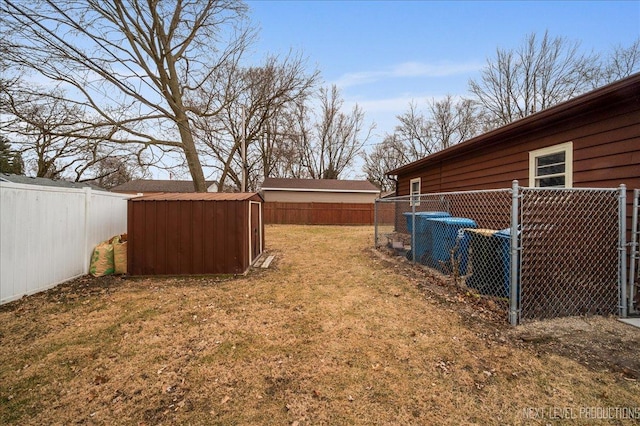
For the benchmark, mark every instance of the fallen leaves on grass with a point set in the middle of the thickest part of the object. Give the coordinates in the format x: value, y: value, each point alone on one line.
x: 333, y: 333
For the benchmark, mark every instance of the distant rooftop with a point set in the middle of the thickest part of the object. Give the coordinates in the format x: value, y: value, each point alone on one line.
x: 282, y: 184
x: 149, y: 185
x: 29, y: 180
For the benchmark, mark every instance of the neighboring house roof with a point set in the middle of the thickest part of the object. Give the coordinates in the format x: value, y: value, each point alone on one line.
x: 199, y: 196
x: 599, y: 98
x: 319, y: 185
x: 29, y: 180
x: 149, y: 185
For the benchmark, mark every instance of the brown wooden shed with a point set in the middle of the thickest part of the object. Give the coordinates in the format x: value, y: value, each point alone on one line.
x: 194, y: 233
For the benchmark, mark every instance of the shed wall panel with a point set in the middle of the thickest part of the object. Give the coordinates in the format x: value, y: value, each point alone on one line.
x: 187, y: 241
x: 219, y: 222
x: 197, y: 235
x: 173, y: 230
x: 208, y: 244
x: 156, y: 241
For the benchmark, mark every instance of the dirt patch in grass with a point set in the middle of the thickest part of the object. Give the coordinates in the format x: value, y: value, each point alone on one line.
x: 332, y: 333
x: 597, y: 342
x: 600, y: 343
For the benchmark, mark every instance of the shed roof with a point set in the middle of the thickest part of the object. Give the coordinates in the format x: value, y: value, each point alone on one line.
x: 200, y: 196
x: 626, y: 90
x: 30, y: 180
x: 323, y: 185
x: 152, y: 185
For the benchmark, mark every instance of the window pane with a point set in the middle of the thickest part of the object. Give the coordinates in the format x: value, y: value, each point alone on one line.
x: 550, y: 170
x: 415, y: 191
x: 548, y: 167
x: 557, y: 181
x: 557, y: 158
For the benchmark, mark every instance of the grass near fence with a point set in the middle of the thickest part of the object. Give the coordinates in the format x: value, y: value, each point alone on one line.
x: 332, y: 334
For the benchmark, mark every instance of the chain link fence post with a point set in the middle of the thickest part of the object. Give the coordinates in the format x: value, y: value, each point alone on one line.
x: 633, y: 258
x: 514, y: 295
x: 375, y: 223
x: 622, y: 225
x: 413, y: 228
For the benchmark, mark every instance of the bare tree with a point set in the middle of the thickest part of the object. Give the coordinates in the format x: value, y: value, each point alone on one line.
x: 43, y: 125
x: 414, y: 131
x: 112, y: 171
x: 298, y: 129
x: 620, y: 63
x: 331, y: 145
x: 540, y: 73
x: 130, y: 64
x: 517, y: 82
x: 279, y: 149
x: 386, y: 156
x: 259, y: 96
x: 452, y: 122
x: 39, y: 123
x: 448, y: 122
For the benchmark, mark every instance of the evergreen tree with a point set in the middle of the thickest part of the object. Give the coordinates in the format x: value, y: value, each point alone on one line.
x: 10, y: 161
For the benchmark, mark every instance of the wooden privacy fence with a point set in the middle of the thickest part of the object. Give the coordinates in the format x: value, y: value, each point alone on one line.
x: 320, y: 213
x: 48, y: 234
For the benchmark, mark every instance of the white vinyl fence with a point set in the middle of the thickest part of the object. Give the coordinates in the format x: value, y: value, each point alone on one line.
x: 47, y: 234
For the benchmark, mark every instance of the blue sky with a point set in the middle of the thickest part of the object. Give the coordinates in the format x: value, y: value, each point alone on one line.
x: 383, y: 54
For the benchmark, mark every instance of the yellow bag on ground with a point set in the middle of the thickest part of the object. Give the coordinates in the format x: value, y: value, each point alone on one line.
x: 102, y: 260
x: 120, y: 253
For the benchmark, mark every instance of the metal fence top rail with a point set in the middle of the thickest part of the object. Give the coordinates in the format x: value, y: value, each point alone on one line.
x: 440, y: 194
x: 485, y: 191
x: 612, y: 190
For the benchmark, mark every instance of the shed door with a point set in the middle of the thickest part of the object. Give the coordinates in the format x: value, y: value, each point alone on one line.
x: 256, y: 230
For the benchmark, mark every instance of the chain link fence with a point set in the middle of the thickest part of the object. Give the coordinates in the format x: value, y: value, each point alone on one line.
x: 570, y: 260
x: 536, y: 253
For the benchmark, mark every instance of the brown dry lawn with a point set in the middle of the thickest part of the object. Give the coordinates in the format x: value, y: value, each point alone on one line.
x: 330, y: 334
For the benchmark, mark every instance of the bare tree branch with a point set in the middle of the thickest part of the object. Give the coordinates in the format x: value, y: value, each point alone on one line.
x: 132, y: 64
x: 263, y: 95
x: 336, y: 139
x: 538, y: 74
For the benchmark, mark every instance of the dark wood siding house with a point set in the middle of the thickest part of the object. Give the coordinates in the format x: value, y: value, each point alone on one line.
x: 591, y: 141
x: 597, y: 134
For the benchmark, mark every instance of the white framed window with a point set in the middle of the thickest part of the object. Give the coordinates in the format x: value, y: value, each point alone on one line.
x: 415, y: 191
x: 552, y: 167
